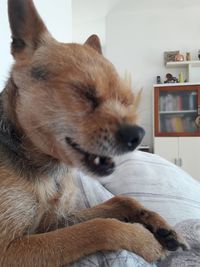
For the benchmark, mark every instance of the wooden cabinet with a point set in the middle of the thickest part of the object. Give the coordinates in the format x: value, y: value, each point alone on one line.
x: 182, y: 151
x: 176, y: 110
x: 189, y: 155
x: 167, y: 148
x: 177, y: 126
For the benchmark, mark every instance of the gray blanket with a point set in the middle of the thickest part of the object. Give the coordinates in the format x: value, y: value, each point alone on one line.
x: 191, y: 231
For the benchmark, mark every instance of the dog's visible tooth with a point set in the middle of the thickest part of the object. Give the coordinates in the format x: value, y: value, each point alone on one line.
x: 97, y: 160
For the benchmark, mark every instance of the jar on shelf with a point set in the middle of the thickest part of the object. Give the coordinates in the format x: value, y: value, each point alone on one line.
x: 179, y: 57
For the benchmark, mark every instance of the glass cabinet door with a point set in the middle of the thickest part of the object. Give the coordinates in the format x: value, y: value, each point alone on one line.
x: 177, y: 111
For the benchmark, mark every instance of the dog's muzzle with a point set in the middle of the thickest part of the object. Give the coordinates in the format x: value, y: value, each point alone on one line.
x: 128, y: 137
x: 98, y: 165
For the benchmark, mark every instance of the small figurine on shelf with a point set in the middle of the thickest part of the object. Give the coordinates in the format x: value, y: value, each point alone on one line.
x: 158, y: 80
x: 170, y: 78
x: 188, y: 56
x: 197, y: 121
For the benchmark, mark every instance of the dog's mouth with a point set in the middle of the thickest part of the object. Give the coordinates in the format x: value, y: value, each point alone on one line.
x: 99, y: 165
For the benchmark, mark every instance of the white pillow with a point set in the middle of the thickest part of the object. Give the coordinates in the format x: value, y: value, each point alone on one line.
x: 157, y: 184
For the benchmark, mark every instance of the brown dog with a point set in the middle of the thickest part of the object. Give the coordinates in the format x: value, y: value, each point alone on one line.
x: 64, y: 107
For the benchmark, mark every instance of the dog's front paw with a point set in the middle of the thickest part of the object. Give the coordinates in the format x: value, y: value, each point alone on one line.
x: 170, y: 240
x: 143, y: 242
x: 152, y: 251
x: 162, y: 231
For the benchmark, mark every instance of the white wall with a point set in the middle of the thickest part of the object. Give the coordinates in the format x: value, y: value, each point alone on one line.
x: 58, y: 18
x: 137, y: 34
x: 5, y: 57
x: 89, y: 17
x: 86, y: 27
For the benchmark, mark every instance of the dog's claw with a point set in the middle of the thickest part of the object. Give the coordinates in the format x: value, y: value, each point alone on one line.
x: 185, y: 246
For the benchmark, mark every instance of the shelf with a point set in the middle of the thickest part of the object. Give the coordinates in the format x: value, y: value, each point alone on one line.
x: 182, y: 64
x: 175, y: 84
x: 178, y: 112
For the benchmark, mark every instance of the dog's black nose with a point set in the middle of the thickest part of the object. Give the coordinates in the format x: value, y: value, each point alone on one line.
x: 130, y: 136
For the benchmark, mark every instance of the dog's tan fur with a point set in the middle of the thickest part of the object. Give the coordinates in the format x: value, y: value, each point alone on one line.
x: 45, y: 100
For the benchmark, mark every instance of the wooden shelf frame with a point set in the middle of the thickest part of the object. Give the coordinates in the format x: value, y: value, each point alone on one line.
x: 158, y: 113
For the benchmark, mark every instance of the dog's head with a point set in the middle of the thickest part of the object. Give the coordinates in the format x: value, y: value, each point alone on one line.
x: 70, y: 102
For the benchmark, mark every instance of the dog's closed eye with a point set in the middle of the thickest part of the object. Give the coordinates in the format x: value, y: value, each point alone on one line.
x: 88, y: 93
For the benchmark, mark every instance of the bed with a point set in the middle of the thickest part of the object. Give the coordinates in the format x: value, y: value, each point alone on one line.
x: 160, y: 186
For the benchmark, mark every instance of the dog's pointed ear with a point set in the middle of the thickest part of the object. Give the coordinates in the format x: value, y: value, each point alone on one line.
x: 26, y: 26
x: 94, y: 42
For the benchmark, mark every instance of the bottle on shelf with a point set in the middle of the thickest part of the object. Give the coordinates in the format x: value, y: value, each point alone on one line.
x: 180, y: 78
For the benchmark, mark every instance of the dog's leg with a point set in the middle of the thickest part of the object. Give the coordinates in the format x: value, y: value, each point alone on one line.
x: 129, y: 210
x: 67, y: 245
